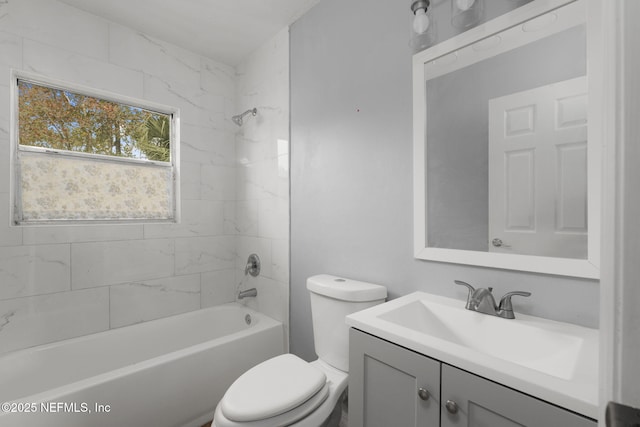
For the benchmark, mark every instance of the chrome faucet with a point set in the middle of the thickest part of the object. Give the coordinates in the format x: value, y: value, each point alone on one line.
x: 253, y: 292
x: 482, y: 301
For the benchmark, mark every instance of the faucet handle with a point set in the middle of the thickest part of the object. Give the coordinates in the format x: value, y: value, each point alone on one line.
x: 505, y: 302
x: 471, y: 291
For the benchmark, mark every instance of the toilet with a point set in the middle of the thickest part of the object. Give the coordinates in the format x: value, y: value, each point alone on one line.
x: 288, y: 391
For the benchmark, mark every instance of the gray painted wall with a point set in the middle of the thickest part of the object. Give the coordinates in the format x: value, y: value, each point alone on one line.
x: 351, y: 173
x: 458, y: 131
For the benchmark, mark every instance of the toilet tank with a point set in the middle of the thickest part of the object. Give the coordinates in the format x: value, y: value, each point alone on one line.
x: 332, y: 299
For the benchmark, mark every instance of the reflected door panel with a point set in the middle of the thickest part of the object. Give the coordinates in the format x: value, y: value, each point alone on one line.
x: 538, y: 171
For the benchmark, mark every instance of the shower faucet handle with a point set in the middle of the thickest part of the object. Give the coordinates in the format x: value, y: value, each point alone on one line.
x: 253, y: 265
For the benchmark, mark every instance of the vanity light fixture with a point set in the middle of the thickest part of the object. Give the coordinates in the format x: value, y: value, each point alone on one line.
x: 423, y: 33
x: 466, y: 13
x: 421, y: 21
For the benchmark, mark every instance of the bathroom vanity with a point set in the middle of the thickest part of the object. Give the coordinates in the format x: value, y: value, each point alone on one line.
x: 506, y: 127
x: 423, y: 360
x: 391, y: 385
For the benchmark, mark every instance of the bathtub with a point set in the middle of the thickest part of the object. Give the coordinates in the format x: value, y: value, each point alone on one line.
x: 163, y: 373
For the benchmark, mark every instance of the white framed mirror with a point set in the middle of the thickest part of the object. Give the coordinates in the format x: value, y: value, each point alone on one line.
x: 507, y: 161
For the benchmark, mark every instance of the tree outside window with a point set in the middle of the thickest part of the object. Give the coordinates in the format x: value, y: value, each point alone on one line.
x: 63, y: 120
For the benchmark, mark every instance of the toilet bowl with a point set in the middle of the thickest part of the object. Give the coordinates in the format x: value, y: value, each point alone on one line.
x: 288, y: 391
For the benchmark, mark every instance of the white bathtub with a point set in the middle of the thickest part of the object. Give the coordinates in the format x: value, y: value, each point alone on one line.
x: 163, y: 373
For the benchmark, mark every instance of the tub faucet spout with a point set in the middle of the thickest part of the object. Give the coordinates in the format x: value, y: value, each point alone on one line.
x: 253, y: 292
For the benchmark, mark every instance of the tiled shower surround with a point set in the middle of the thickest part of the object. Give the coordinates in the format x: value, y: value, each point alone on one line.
x: 262, y: 180
x: 58, y: 282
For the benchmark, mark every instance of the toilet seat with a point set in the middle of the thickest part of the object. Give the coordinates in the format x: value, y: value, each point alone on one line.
x: 277, y: 392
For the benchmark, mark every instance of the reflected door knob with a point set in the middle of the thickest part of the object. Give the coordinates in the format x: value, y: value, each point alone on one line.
x: 498, y: 243
x: 423, y: 394
x: 452, y: 407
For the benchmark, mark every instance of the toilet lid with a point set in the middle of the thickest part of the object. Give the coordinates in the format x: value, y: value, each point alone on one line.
x: 285, y: 419
x: 272, y: 388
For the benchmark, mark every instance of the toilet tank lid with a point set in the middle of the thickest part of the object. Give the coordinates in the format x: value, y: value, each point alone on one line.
x: 345, y: 289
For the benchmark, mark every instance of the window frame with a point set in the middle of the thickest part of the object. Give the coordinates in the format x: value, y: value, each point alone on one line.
x: 16, y: 148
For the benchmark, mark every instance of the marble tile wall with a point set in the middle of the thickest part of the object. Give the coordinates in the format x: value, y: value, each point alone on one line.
x: 58, y: 282
x: 261, y: 218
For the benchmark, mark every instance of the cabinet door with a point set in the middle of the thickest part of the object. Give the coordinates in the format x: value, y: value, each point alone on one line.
x: 390, y: 385
x: 483, y: 403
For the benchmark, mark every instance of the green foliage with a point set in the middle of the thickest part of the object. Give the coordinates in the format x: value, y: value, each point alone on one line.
x: 156, y: 142
x: 63, y: 120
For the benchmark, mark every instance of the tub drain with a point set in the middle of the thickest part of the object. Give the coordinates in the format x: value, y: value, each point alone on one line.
x: 247, y: 319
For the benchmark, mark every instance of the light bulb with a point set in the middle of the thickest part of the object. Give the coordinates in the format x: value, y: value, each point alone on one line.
x: 465, y: 4
x: 421, y: 21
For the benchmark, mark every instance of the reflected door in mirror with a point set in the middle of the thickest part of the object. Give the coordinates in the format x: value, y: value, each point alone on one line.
x: 538, y: 171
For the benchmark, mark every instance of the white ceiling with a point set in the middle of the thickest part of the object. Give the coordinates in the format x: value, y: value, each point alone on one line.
x: 224, y: 30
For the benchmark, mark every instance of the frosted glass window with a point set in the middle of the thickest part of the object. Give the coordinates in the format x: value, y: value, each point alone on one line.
x: 86, y: 157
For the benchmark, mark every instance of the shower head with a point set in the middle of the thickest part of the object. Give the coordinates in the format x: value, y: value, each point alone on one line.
x: 239, y: 118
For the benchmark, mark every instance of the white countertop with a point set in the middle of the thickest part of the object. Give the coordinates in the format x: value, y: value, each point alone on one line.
x: 553, y: 361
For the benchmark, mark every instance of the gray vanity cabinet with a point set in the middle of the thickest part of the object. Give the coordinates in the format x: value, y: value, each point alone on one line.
x: 390, y: 385
x: 385, y: 382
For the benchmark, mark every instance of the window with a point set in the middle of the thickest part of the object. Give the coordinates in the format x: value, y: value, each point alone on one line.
x: 86, y: 155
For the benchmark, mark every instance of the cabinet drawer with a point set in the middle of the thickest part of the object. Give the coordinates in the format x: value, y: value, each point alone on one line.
x: 481, y: 402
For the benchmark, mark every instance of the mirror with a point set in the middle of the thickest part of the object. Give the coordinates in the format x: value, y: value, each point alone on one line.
x: 506, y: 172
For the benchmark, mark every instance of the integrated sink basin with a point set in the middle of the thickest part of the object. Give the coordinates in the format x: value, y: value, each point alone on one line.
x: 554, y: 361
x: 525, y: 342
